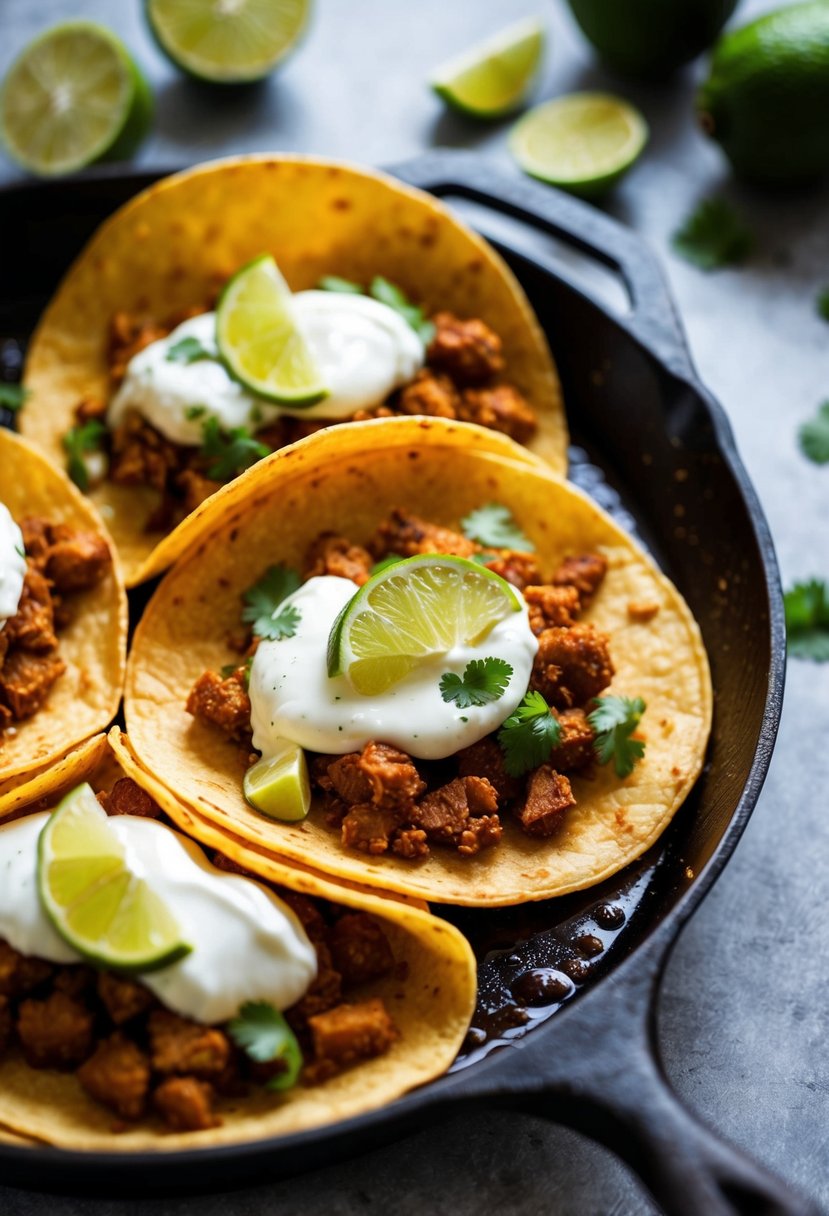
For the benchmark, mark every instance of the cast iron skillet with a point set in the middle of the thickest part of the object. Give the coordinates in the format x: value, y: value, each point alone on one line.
x: 656, y: 449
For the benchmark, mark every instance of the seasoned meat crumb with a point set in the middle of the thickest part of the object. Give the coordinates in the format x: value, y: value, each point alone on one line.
x: 222, y: 703
x: 585, y: 572
x: 178, y: 1045
x: 551, y: 607
x: 124, y: 998
x: 431, y: 393
x: 501, y: 408
x: 117, y: 1074
x: 380, y: 774
x: 348, y: 1033
x: 55, y: 1032
x: 548, y: 796
x: 360, y: 949
x: 336, y: 555
x: 467, y: 350
x: 572, y: 666
x: 408, y: 535
x: 186, y: 1104
x: 127, y: 797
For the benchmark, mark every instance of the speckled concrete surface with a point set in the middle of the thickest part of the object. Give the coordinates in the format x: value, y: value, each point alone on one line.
x: 744, y: 1014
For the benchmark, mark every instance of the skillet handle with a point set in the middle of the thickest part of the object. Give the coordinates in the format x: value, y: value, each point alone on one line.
x: 653, y: 319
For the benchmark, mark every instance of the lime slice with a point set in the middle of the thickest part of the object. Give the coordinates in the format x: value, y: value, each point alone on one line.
x: 494, y: 77
x: 72, y: 97
x: 410, y: 611
x: 110, y: 916
x: 278, y: 785
x: 583, y: 142
x: 227, y: 41
x: 259, y: 340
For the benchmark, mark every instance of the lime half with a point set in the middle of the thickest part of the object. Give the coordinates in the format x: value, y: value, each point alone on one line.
x: 72, y: 97
x: 227, y: 41
x: 583, y: 142
x: 103, y: 911
x: 278, y: 785
x: 493, y: 78
x: 411, y: 611
x: 259, y: 340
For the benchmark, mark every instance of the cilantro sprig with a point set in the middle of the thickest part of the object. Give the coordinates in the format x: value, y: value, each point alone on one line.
x: 230, y: 451
x: 386, y: 293
x: 614, y: 720
x: 333, y: 282
x: 822, y: 303
x: 713, y: 235
x: 188, y: 350
x: 807, y: 620
x: 264, y: 609
x: 261, y: 1032
x: 494, y: 526
x: 529, y: 735
x: 483, y: 681
x: 80, y: 439
x: 813, y: 436
x: 12, y: 396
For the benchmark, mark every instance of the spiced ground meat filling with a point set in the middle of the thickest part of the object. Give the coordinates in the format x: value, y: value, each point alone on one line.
x: 380, y: 799
x: 60, y: 562
x: 135, y: 1057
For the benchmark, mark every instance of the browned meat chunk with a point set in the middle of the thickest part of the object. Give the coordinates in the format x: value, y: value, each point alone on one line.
x: 576, y: 747
x: 128, y: 798
x: 411, y: 843
x: 76, y: 560
x: 127, y: 336
x: 585, y: 573
x: 468, y: 351
x: 548, y: 795
x: 324, y: 993
x: 117, y: 1074
x: 222, y: 703
x: 380, y: 774
x: 4, y: 646
x: 430, y: 393
x: 409, y: 535
x: 36, y: 536
x: 195, y: 488
x: 74, y: 981
x: 332, y: 554
x: 20, y: 974
x: 369, y: 829
x: 643, y: 611
x: 89, y: 408
x: 26, y: 679
x: 56, y: 1032
x: 186, y: 1104
x: 501, y: 408
x: 181, y: 1046
x: 141, y: 456
x: 306, y: 911
x: 446, y: 814
x: 572, y: 666
x: 551, y: 606
x: 33, y: 625
x: 349, y: 1033
x: 486, y: 759
x: 520, y: 569
x: 6, y: 1023
x: 479, y: 834
x: 360, y: 949
x: 277, y: 433
x: 124, y: 998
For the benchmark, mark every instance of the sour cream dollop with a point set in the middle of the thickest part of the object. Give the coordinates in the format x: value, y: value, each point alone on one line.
x: 12, y: 565
x: 247, y: 944
x: 362, y: 348
x: 293, y: 697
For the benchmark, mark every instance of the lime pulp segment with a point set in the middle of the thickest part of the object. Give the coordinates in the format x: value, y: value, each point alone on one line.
x: 278, y: 785
x: 227, y: 41
x: 495, y: 76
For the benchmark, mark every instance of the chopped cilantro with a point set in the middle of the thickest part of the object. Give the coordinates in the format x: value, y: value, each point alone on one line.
x: 187, y: 350
x: 807, y: 620
x: 529, y: 735
x: 483, y: 681
x: 822, y: 304
x: 814, y: 436
x: 713, y: 235
x: 229, y: 668
x: 195, y: 411
x: 86, y: 437
x: 262, y: 1033
x: 263, y: 600
x: 12, y: 396
x: 384, y: 291
x: 231, y: 452
x: 333, y: 282
x: 494, y: 525
x: 20, y: 551
x: 614, y: 720
x: 391, y: 559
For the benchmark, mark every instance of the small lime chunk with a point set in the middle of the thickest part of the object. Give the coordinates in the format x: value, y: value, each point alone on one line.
x: 493, y: 78
x: 278, y: 785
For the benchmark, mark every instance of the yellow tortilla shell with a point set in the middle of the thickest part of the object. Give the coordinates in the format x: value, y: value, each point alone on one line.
x: 431, y: 1006
x: 172, y: 247
x: 93, y: 645
x: 329, y: 483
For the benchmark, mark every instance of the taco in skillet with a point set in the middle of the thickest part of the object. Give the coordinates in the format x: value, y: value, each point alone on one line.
x: 183, y: 999
x: 379, y: 301
x: 496, y: 695
x: 63, y: 618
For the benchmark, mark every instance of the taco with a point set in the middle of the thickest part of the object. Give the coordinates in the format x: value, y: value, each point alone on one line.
x: 403, y: 308
x: 300, y: 1003
x: 495, y: 693
x: 63, y: 618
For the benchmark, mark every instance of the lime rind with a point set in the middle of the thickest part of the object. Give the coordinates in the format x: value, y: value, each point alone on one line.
x: 494, y: 77
x: 278, y: 785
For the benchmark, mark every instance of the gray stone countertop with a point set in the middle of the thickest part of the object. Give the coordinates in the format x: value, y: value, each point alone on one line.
x: 744, y: 1014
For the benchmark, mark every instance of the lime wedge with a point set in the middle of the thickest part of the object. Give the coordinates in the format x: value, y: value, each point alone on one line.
x: 227, y: 41
x: 583, y: 142
x: 410, y: 611
x: 494, y: 77
x: 72, y: 97
x: 278, y: 785
x: 259, y: 340
x: 109, y: 915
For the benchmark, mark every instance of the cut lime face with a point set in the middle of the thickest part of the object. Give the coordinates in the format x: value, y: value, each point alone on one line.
x: 227, y: 41
x: 493, y: 78
x: 103, y: 911
x: 278, y: 785
x: 411, y: 611
x: 583, y: 142
x: 72, y: 97
x: 259, y: 340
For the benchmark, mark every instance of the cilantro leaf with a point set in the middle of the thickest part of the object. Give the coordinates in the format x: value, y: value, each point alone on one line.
x: 12, y: 396
x: 807, y: 620
x: 263, y: 600
x: 483, y: 681
x: 227, y: 671
x: 85, y: 437
x: 614, y: 720
x: 814, y: 436
x: 713, y: 235
x: 822, y: 304
x: 529, y: 735
x: 188, y: 350
x: 195, y: 411
x: 333, y: 282
x: 231, y: 451
x: 390, y: 295
x: 493, y: 525
x: 262, y: 1033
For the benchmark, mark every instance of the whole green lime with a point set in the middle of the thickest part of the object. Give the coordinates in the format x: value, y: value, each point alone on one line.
x: 650, y: 38
x: 766, y: 99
